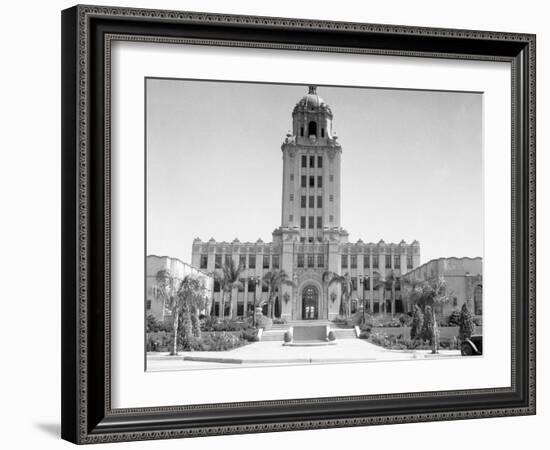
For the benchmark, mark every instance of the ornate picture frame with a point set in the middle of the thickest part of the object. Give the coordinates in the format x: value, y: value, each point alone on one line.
x: 87, y: 35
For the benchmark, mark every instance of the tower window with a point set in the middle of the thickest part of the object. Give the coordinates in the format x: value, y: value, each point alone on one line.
x: 331, y: 178
x: 322, y: 132
x: 319, y: 201
x: 303, y: 222
x: 265, y: 264
x: 312, y: 129
x: 291, y: 197
x: 218, y: 261
x: 397, y: 262
x: 251, y: 261
x: 275, y: 261
x: 320, y: 260
x: 388, y: 261
x: 409, y: 262
x: 319, y: 181
x: 353, y: 261
x: 344, y: 261
x: 242, y: 261
x: 311, y: 221
x: 204, y: 261
x: 310, y: 260
x: 304, y: 161
x: 301, y: 131
x: 375, y: 262
x: 331, y: 198
x: 291, y: 218
x: 303, y: 201
x: 331, y: 218
x: 311, y: 181
x: 319, y: 222
x: 312, y: 161
x: 319, y: 162
x: 300, y: 260
x: 366, y: 261
x: 291, y: 177
x: 304, y: 181
x: 311, y: 201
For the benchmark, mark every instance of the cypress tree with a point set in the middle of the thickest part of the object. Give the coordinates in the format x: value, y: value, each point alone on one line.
x: 466, y: 323
x: 417, y: 323
x: 428, y: 327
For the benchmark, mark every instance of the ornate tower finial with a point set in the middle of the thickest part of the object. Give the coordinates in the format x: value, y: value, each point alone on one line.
x: 312, y: 90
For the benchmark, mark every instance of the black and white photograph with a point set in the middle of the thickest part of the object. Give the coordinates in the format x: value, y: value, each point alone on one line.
x: 296, y: 224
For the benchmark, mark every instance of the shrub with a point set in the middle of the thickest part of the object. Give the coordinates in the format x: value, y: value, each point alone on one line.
x: 371, y: 321
x: 214, y: 324
x: 454, y: 319
x: 364, y: 334
x: 331, y: 336
x: 405, y: 320
x: 215, y: 342
x: 288, y: 336
x: 477, y: 321
x: 250, y: 335
x: 264, y: 322
x: 280, y: 321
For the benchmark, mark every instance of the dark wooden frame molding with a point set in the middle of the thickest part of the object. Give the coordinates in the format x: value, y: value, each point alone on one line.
x: 87, y: 31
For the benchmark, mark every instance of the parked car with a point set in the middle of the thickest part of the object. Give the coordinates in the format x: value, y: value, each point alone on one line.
x: 472, y: 346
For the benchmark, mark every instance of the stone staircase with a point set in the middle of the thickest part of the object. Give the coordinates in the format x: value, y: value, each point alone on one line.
x: 277, y: 332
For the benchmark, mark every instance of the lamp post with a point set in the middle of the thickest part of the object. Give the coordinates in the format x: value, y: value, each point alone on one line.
x: 255, y: 280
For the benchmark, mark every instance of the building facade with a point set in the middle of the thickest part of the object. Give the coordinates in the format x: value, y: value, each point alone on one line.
x: 310, y: 240
x: 463, y: 278
x: 154, y: 305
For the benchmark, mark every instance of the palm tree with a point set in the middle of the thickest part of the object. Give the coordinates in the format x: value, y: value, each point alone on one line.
x: 178, y: 297
x: 434, y: 294
x: 413, y: 290
x: 391, y: 281
x: 378, y: 282
x: 274, y: 280
x: 344, y: 282
x: 229, y: 279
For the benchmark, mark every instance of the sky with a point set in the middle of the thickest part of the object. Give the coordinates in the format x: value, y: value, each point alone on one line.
x: 412, y: 164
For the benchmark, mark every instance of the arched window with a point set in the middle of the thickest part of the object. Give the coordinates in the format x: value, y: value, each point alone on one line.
x: 478, y: 300
x: 312, y: 129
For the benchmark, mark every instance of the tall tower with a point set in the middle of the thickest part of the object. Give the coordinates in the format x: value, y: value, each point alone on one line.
x: 311, y: 174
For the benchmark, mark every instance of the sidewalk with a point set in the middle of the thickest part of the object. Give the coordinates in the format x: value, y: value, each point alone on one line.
x: 274, y: 353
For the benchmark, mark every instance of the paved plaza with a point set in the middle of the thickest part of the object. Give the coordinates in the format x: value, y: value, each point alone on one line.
x: 277, y: 354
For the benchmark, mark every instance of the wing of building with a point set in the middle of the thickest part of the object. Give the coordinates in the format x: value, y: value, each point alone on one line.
x: 310, y: 240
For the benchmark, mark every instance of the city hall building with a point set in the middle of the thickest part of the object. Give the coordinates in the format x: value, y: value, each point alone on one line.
x: 310, y: 240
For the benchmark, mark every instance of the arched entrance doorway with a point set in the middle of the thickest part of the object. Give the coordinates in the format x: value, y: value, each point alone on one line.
x: 310, y: 303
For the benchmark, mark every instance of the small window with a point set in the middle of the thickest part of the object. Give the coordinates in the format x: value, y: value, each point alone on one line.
x: 397, y: 262
x: 303, y: 222
x: 321, y: 260
x: 241, y: 285
x: 275, y: 261
x: 291, y: 177
x: 303, y: 201
x: 319, y: 222
x: 322, y: 132
x: 204, y: 261
x: 310, y: 240
x: 251, y: 261
x: 388, y: 261
x: 344, y: 261
x: 300, y: 260
x: 354, y: 283
x: 240, y: 309
x: 311, y: 181
x: 265, y: 264
x: 319, y: 162
x: 302, y: 240
x: 251, y: 285
x: 310, y: 260
x: 312, y: 128
x: 218, y: 262
x: 319, y: 201
x: 242, y: 261
x: 311, y: 222
x: 302, y: 131
x: 331, y: 198
x: 148, y: 304
x: 312, y: 161
x: 291, y: 218
x: 311, y: 201
x: 291, y: 197
x: 304, y: 181
x: 409, y: 262
x: 320, y: 181
x: 375, y: 262
x: 228, y: 259
x: 216, y: 286
x: 331, y: 218
x: 366, y: 261
x: 331, y: 178
x: 353, y: 261
x: 304, y: 161
x: 366, y: 284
